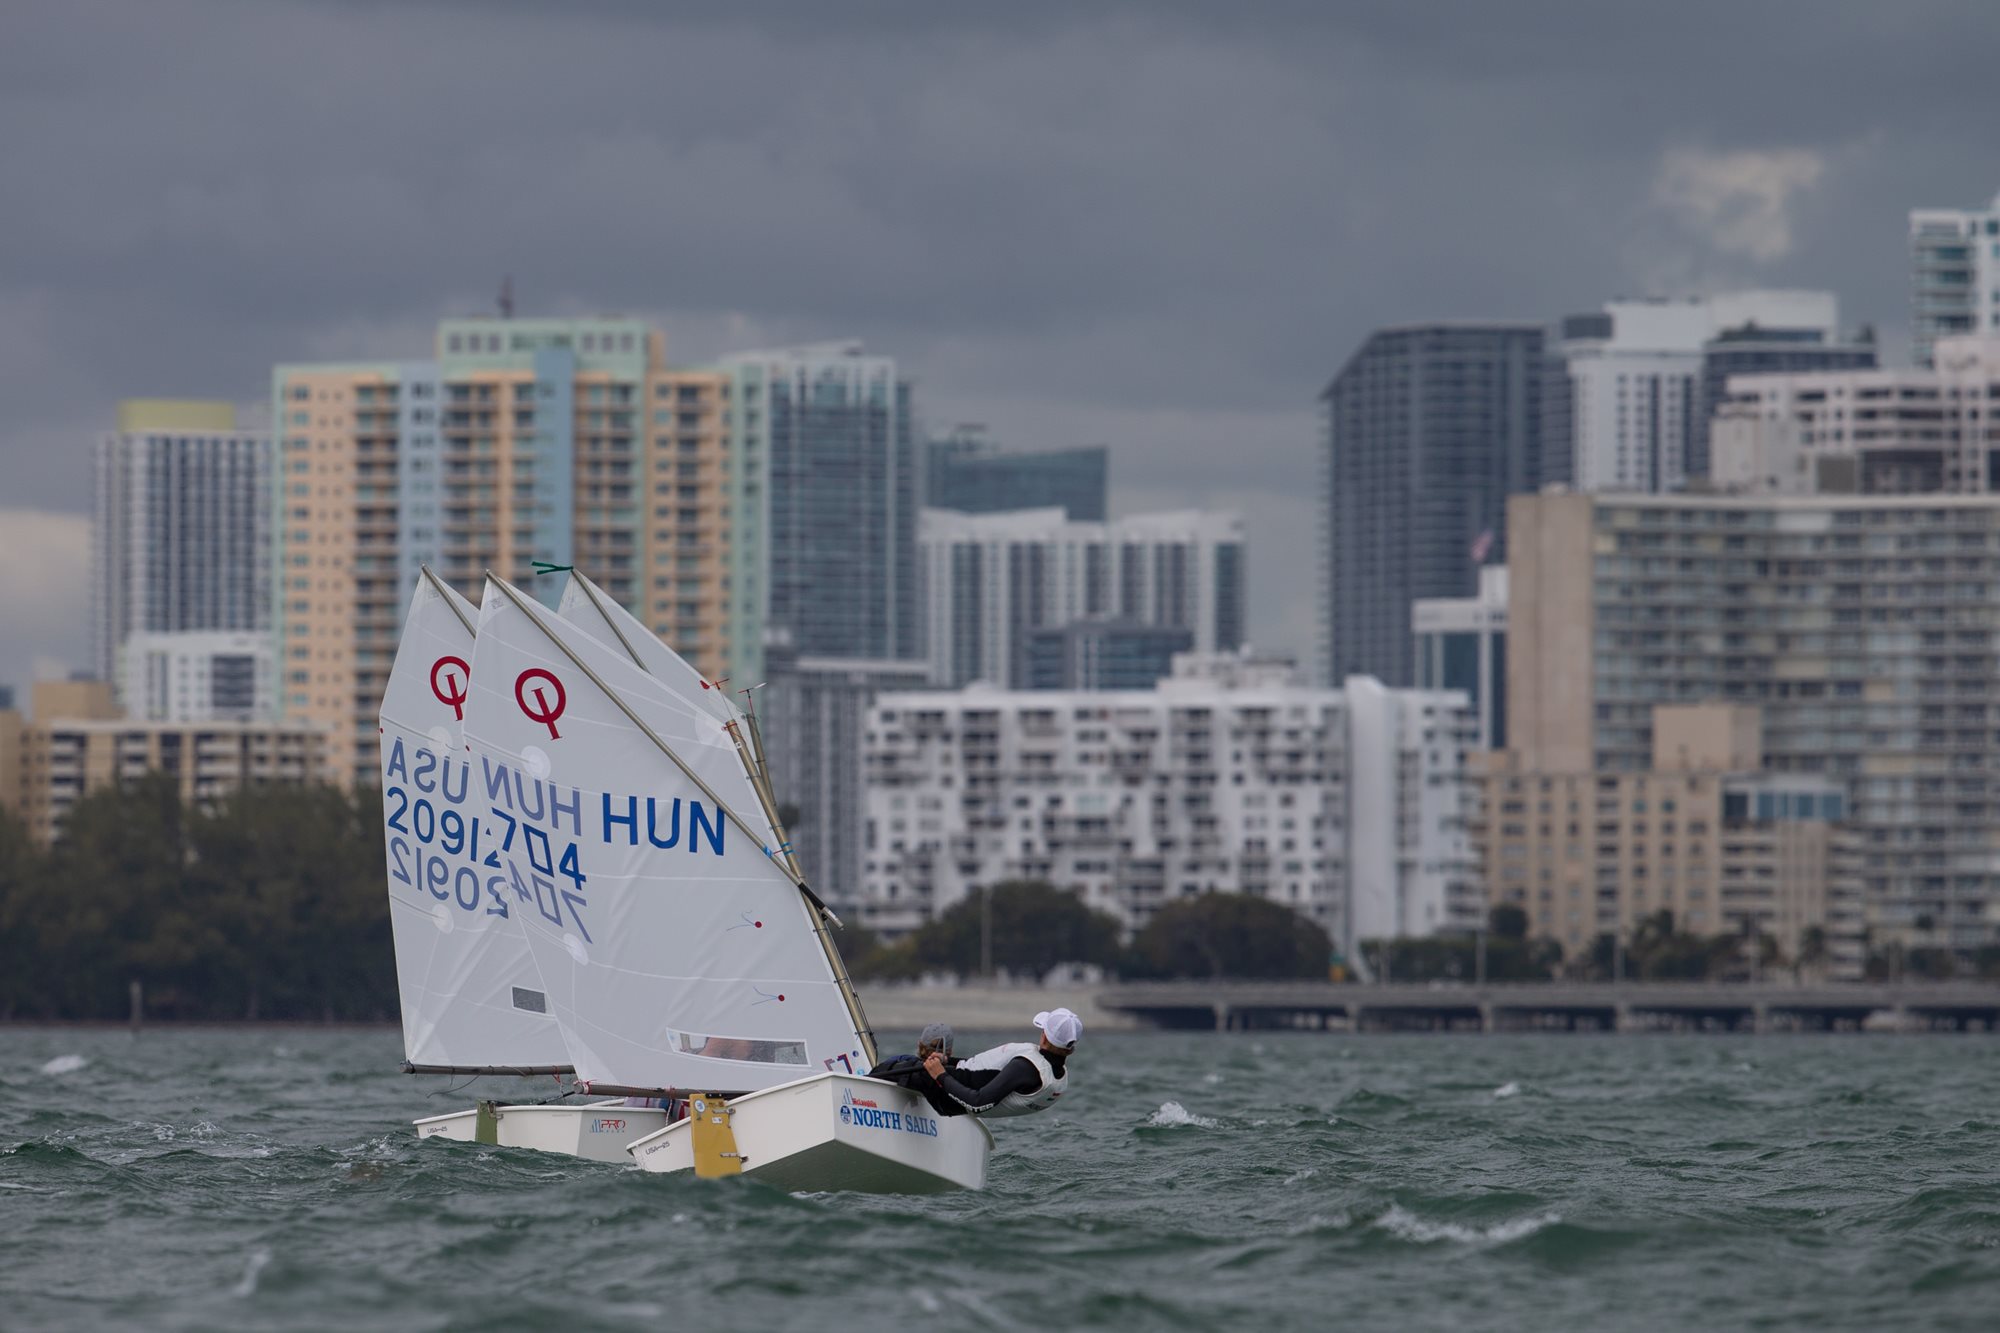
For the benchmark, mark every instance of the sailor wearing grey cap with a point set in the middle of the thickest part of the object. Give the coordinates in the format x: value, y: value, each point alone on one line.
x: 909, y: 1071
x: 1024, y: 1076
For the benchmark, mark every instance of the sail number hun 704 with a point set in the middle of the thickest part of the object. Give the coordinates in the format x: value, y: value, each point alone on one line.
x: 473, y: 862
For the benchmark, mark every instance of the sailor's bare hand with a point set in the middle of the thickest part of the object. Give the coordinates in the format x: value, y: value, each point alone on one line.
x: 934, y: 1064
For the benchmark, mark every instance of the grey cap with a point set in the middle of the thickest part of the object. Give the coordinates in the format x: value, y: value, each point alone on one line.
x: 938, y: 1033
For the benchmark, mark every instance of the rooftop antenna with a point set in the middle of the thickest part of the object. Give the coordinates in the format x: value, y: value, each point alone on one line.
x: 507, y: 297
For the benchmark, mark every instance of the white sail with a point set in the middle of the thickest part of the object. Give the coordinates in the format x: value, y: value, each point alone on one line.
x: 721, y: 755
x: 678, y: 954
x: 471, y: 996
x: 592, y: 610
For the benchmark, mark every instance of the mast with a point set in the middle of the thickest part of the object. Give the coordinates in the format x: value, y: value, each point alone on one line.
x: 817, y: 913
x: 760, y: 778
x: 448, y: 597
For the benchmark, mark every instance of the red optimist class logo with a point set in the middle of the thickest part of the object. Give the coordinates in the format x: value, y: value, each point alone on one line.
x: 451, y: 687
x: 544, y: 709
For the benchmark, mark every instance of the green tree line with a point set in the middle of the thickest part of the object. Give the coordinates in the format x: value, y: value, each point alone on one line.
x: 1027, y: 927
x: 271, y: 904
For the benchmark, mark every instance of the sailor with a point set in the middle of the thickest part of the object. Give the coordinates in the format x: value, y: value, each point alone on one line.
x: 908, y: 1071
x: 1030, y: 1077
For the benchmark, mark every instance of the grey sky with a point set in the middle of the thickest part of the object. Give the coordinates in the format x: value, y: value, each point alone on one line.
x: 1159, y: 226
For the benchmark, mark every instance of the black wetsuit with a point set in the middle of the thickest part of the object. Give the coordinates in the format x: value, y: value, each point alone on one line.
x: 978, y: 1089
x: 907, y: 1071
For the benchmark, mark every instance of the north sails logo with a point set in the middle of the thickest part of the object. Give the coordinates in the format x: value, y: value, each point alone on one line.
x: 864, y: 1114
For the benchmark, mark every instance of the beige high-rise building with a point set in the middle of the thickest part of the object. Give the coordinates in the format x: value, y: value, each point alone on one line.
x: 559, y: 441
x: 1865, y: 631
x: 78, y: 742
x: 1703, y: 834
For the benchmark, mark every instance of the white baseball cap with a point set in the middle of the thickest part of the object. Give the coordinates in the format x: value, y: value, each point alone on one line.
x: 1060, y: 1026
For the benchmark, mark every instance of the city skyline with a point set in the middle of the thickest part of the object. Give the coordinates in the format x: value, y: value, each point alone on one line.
x: 1172, y: 263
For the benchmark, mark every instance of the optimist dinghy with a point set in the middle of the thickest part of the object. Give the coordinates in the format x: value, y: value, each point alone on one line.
x: 600, y: 1131
x: 825, y: 1132
x: 606, y: 811
x: 472, y: 996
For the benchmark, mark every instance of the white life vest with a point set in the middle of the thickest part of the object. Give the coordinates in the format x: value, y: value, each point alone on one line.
x: 1020, y: 1103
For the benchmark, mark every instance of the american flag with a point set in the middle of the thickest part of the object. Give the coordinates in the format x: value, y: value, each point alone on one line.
x: 1482, y: 544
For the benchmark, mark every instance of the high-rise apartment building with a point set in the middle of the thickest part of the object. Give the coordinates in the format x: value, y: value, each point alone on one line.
x: 824, y: 494
x: 1864, y: 628
x: 814, y: 718
x: 182, y: 532
x: 1636, y: 415
x: 991, y: 580
x: 1425, y: 433
x: 78, y: 742
x: 1867, y: 432
x: 197, y: 676
x: 563, y: 441
x: 1751, y: 350
x: 1462, y: 645
x: 1954, y: 274
x: 1346, y: 805
x: 1103, y: 654
x: 1704, y: 834
x: 967, y: 473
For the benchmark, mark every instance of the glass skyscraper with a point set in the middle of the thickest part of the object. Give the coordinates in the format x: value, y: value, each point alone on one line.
x: 824, y: 490
x: 967, y: 473
x: 1425, y: 432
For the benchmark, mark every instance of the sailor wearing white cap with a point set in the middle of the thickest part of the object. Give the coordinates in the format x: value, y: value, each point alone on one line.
x: 1030, y: 1077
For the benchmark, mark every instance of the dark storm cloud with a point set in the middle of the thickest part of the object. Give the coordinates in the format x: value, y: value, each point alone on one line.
x: 1161, y: 226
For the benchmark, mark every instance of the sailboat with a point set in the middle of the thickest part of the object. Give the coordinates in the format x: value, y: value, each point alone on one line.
x: 628, y: 831
x: 472, y: 997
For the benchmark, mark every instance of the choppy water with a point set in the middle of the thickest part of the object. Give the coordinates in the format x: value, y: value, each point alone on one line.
x: 269, y: 1179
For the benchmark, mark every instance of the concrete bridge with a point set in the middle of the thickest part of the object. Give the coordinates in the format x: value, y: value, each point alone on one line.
x: 1630, y: 1006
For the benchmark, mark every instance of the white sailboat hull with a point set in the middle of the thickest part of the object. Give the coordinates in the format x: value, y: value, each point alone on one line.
x: 596, y: 1131
x: 839, y: 1132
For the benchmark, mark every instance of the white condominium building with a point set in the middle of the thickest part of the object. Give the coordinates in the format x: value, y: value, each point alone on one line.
x: 1954, y: 274
x: 1867, y: 432
x: 182, y: 531
x: 198, y: 676
x: 1347, y: 805
x: 990, y: 580
x: 1635, y: 379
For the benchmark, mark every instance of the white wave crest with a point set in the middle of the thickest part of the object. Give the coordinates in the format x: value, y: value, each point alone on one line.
x: 248, y: 1285
x: 1303, y: 1173
x: 1407, y: 1225
x: 1173, y: 1113
x: 1507, y: 1089
x: 65, y: 1064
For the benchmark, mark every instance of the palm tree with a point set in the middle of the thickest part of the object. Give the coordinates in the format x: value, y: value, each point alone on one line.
x: 1812, y: 952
